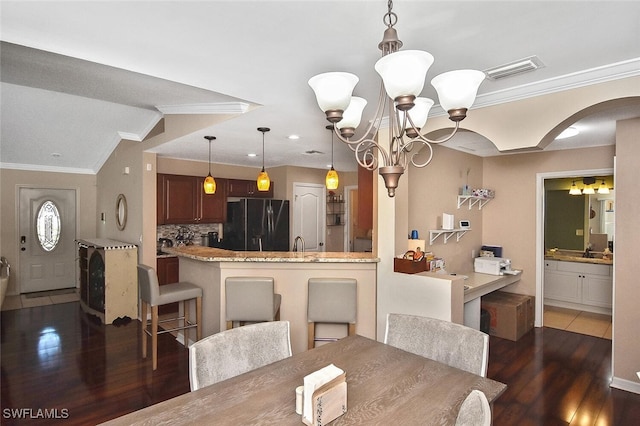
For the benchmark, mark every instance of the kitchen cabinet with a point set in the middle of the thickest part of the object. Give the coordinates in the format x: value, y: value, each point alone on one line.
x: 243, y: 188
x: 576, y: 285
x: 181, y: 200
x: 365, y: 199
x: 168, y: 270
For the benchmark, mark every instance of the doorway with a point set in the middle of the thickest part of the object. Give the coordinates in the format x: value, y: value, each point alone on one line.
x: 309, y: 218
x: 575, y: 302
x: 46, y: 238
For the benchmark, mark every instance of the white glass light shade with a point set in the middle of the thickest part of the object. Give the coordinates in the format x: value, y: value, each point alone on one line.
x: 457, y: 89
x: 404, y: 71
x: 353, y: 114
x: 419, y: 113
x: 603, y: 188
x: 333, y: 89
x: 574, y: 190
x: 588, y: 190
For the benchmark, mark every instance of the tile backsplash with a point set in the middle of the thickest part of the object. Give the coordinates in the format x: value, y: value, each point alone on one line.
x: 171, y: 231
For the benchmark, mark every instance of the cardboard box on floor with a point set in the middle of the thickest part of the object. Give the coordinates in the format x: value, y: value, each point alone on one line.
x: 512, y: 315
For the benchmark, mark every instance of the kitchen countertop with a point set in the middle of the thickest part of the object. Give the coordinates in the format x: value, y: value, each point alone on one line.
x: 210, y: 254
x: 564, y: 258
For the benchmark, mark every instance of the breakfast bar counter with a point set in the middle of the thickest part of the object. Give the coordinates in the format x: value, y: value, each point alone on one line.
x: 209, y: 267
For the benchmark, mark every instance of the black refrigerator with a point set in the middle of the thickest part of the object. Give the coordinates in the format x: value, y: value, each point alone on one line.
x: 257, y: 225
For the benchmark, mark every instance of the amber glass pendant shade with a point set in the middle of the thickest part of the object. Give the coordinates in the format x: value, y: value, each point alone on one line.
x: 263, y: 181
x: 209, y: 185
x: 331, y: 180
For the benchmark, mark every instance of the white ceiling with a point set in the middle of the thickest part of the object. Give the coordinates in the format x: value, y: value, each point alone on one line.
x: 76, y: 77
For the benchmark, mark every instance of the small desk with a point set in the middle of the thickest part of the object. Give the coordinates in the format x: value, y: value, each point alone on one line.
x: 385, y: 386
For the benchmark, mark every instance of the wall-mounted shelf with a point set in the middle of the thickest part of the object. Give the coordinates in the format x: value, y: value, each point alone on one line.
x: 335, y: 212
x: 448, y: 233
x: 472, y: 200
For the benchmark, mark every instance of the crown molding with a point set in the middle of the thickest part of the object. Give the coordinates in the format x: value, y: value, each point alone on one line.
x: 214, y: 108
x: 610, y: 72
x: 41, y: 168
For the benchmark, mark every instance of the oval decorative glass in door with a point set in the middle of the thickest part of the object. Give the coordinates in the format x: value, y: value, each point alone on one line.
x: 48, y: 225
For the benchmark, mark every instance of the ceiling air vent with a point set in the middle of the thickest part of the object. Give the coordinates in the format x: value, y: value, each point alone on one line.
x: 313, y: 151
x: 531, y: 63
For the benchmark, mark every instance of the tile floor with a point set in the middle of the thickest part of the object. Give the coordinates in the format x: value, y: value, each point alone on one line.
x: 19, y: 302
x: 598, y: 325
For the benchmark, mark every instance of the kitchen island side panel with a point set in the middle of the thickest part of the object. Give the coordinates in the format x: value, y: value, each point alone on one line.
x: 291, y: 282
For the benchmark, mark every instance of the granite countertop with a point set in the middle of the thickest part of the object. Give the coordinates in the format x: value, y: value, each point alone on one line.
x: 210, y: 254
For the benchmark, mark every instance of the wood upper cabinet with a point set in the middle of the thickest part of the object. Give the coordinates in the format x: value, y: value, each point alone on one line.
x: 365, y: 199
x: 181, y: 199
x: 247, y: 188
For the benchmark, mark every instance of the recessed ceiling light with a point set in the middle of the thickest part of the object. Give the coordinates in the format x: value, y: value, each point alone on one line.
x: 252, y: 155
x: 293, y: 137
x: 568, y: 132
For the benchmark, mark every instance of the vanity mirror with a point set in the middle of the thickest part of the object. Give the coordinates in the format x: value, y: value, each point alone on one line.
x: 121, y: 212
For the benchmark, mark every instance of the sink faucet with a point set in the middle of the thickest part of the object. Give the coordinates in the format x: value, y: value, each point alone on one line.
x: 587, y: 251
x: 295, y: 243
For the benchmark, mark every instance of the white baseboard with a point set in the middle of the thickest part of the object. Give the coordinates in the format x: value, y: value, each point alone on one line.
x: 626, y: 385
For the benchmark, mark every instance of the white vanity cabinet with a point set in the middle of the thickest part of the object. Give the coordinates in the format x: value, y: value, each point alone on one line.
x: 576, y: 285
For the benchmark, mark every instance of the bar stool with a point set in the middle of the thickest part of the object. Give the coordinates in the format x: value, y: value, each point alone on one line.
x: 331, y: 300
x: 251, y: 299
x: 154, y: 295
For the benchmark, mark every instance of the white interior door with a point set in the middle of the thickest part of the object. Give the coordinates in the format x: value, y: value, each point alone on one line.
x: 309, y: 218
x: 47, y: 232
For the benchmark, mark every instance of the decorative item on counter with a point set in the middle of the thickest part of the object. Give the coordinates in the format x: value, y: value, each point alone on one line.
x: 447, y: 221
x: 607, y: 254
x: 414, y: 234
x: 415, y: 244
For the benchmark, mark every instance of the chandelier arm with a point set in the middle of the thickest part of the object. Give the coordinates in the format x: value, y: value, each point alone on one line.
x: 409, y: 146
x: 446, y: 138
x: 377, y: 118
x: 366, y: 154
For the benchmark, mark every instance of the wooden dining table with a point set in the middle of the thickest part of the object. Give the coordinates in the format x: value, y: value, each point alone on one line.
x: 385, y: 385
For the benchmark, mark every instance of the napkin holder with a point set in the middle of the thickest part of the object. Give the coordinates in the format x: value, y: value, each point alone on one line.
x: 329, y: 402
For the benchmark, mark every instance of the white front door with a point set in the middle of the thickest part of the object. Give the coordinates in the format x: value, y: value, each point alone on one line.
x: 47, y: 232
x: 309, y: 219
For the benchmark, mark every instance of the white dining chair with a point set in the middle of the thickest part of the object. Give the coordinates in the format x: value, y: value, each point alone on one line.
x: 239, y: 350
x: 475, y: 410
x: 452, y: 344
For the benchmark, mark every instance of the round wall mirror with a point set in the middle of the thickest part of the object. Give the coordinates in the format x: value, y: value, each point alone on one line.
x: 121, y: 212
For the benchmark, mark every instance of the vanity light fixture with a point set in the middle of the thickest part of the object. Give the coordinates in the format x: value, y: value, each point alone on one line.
x: 574, y: 189
x: 331, y: 180
x: 403, y: 74
x: 603, y: 188
x: 209, y: 184
x: 263, y: 180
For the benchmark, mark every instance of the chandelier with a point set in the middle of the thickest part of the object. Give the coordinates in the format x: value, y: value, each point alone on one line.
x: 403, y: 74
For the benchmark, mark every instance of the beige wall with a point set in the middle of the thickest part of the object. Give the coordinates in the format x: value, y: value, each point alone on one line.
x: 11, y: 180
x: 626, y: 312
x: 510, y: 219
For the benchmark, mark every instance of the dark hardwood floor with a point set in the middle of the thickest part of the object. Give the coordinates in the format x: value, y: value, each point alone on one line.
x: 57, y: 358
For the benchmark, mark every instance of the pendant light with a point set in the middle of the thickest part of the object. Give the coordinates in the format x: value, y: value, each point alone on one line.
x: 331, y: 180
x: 209, y: 184
x: 263, y: 180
